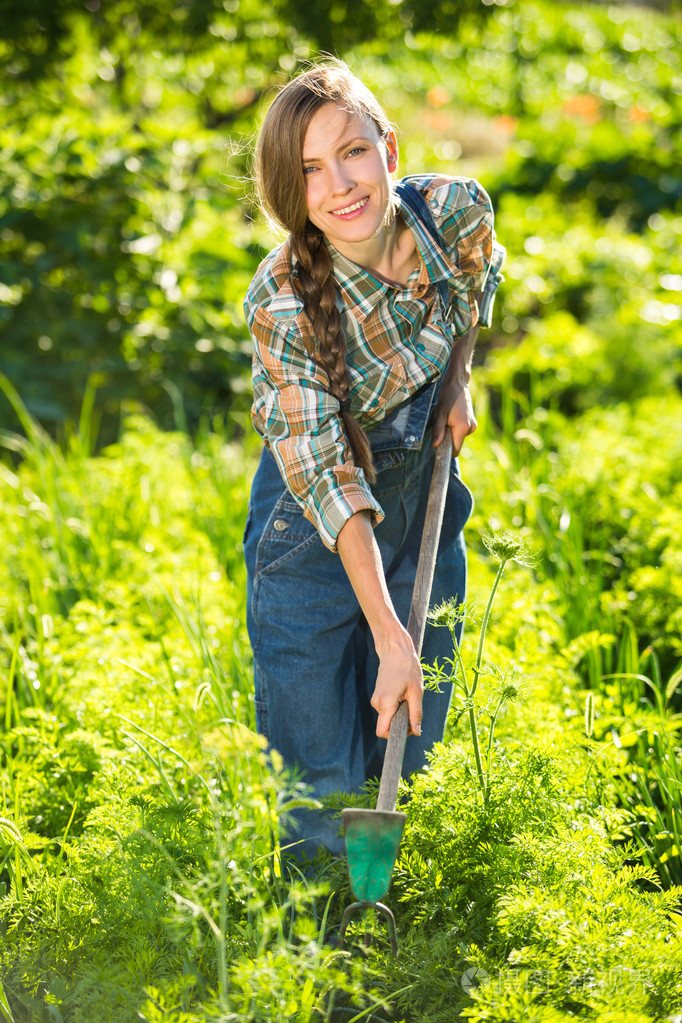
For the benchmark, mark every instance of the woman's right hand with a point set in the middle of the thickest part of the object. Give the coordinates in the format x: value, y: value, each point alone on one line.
x: 399, y: 678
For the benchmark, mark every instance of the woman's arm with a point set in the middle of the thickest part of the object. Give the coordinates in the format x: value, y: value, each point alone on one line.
x: 400, y: 675
x: 455, y: 410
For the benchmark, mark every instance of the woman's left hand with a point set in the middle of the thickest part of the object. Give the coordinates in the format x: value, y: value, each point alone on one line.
x: 455, y: 412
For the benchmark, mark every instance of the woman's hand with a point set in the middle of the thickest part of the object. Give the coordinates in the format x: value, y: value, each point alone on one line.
x: 399, y: 678
x: 454, y: 412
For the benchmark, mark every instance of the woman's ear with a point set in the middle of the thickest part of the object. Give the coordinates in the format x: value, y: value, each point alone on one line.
x: 391, y: 152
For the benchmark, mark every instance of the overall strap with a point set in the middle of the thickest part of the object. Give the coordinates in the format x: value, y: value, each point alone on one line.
x: 418, y: 206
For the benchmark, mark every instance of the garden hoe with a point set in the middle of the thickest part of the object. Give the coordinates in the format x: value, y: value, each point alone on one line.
x: 373, y: 836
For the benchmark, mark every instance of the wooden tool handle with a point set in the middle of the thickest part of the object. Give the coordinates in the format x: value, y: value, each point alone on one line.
x: 393, y: 761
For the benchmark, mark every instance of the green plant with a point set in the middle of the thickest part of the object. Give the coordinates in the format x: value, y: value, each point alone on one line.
x: 635, y: 716
x: 651, y: 790
x: 506, y: 547
x: 530, y: 892
x: 139, y: 871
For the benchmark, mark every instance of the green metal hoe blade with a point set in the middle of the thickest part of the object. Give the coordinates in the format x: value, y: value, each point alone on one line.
x: 372, y: 841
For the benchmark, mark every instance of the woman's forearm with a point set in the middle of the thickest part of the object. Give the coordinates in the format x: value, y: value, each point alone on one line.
x: 455, y: 410
x: 458, y: 372
x: 400, y: 676
x: 361, y: 559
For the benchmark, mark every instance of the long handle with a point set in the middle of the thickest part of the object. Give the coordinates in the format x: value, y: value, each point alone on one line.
x: 397, y: 735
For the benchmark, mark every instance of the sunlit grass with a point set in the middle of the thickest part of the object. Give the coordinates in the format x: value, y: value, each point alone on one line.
x: 140, y: 865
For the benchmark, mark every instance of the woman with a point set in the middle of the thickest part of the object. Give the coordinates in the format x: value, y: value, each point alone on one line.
x: 363, y: 324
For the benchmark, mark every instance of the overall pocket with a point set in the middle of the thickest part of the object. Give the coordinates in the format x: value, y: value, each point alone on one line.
x: 287, y: 534
x: 459, y: 502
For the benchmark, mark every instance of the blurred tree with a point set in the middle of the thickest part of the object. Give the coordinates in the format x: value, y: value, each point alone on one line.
x: 124, y: 247
x: 126, y: 240
x: 121, y: 255
x: 38, y: 34
x: 336, y: 25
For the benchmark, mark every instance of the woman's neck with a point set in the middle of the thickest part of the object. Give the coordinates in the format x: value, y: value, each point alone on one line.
x: 391, y: 254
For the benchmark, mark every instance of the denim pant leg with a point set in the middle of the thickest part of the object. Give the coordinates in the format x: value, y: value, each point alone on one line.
x: 302, y: 618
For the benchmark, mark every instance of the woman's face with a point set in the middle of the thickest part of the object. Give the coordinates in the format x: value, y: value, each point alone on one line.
x: 347, y: 167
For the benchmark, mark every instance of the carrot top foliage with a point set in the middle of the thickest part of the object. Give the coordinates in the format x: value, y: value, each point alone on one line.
x: 139, y: 864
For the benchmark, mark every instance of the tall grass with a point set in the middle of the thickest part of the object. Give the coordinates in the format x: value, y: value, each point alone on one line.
x: 135, y: 792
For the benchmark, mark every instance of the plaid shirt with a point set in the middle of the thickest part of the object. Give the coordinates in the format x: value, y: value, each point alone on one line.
x: 396, y: 341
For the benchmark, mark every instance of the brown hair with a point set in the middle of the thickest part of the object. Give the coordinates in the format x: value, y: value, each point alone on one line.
x: 282, y: 193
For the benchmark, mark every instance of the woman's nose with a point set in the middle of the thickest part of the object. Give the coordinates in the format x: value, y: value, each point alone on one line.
x: 340, y: 180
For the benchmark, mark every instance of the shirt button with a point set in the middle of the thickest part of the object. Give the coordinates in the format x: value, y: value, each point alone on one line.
x: 412, y: 438
x: 375, y: 403
x: 421, y: 347
x: 280, y: 525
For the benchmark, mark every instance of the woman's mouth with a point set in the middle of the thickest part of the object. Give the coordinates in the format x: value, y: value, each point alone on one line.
x: 352, y: 209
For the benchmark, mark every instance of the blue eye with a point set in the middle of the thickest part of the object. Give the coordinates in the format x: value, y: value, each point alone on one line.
x: 307, y: 170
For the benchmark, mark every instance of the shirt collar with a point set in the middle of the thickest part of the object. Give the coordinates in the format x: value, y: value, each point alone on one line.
x: 438, y: 264
x: 361, y: 291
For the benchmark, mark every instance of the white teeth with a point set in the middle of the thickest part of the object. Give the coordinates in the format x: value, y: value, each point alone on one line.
x: 349, y: 209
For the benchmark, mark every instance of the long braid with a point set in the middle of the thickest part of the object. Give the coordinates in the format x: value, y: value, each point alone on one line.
x: 282, y: 191
x: 318, y: 291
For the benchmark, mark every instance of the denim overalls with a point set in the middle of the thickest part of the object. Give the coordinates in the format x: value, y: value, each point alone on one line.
x: 315, y: 666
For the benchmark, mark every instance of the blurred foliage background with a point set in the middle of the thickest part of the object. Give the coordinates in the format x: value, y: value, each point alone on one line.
x: 126, y: 221
x: 137, y: 809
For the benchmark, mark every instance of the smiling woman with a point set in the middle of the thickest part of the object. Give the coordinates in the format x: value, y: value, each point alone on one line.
x: 349, y: 182
x: 363, y: 325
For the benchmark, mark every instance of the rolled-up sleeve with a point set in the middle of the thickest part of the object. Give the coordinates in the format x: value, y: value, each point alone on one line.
x: 492, y: 283
x: 467, y: 224
x: 300, y: 420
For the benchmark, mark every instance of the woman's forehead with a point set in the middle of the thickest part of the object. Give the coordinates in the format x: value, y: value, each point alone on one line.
x: 332, y: 125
